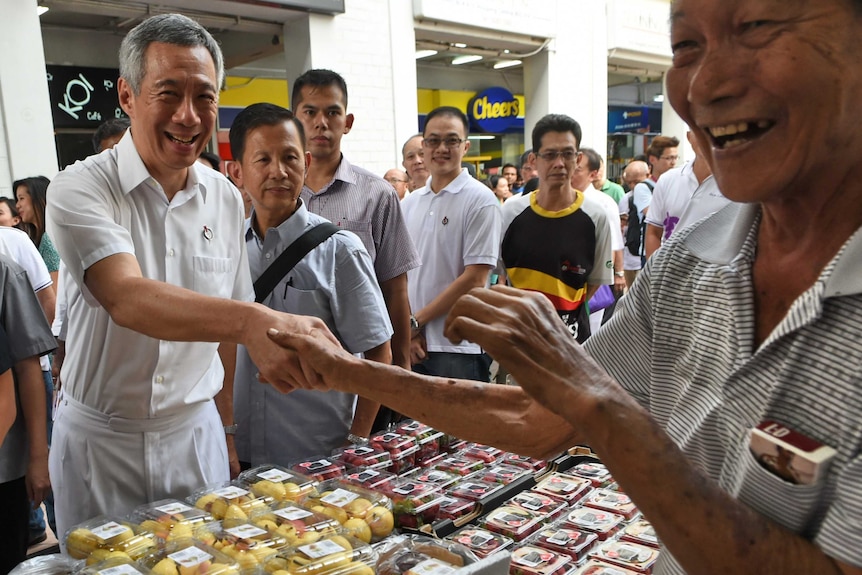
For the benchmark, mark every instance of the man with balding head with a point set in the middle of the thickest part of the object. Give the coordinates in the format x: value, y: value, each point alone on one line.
x: 636, y: 177
x: 413, y: 160
x: 399, y: 180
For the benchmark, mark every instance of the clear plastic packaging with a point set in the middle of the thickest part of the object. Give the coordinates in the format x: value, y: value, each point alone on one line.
x: 454, y: 508
x: 602, y: 523
x: 230, y: 502
x: 641, y: 531
x: 473, y: 489
x: 365, y: 514
x: 249, y: 545
x: 170, y: 519
x: 372, y: 479
x: 296, y: 524
x: 634, y: 556
x: 513, y: 522
x: 539, y: 504
x: 115, y: 566
x: 530, y: 464
x: 613, y: 501
x: 431, y: 442
x: 481, y: 541
x: 420, y: 555
x: 532, y: 560
x: 501, y: 473
x: 333, y: 555
x: 596, y: 472
x: 593, y: 567
x: 363, y: 456
x: 566, y: 488
x: 189, y: 557
x: 103, y: 537
x: 459, y: 465
x: 321, y: 468
x: 402, y: 449
x: 414, y: 503
x: 568, y: 540
x: 277, y: 482
x: 48, y: 565
x: 438, y: 477
x: 484, y: 453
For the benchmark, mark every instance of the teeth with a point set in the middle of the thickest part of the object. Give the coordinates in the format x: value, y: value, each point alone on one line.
x: 730, y: 129
x: 189, y: 141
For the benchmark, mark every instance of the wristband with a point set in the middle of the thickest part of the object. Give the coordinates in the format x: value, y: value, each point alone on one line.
x: 230, y: 429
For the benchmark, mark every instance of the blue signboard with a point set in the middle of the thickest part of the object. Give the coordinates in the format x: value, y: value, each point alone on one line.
x: 625, y: 119
x: 495, y: 110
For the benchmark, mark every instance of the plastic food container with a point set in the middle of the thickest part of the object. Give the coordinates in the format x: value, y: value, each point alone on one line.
x: 634, y: 556
x: 421, y: 555
x: 602, y: 523
x: 564, y: 487
x: 454, y: 507
x: 229, y: 502
x: 613, y: 501
x: 438, y: 477
x: 524, y: 462
x: 572, y: 542
x: 597, y: 473
x: 170, y: 519
x: 539, y: 504
x: 473, y: 489
x: 321, y: 469
x: 462, y: 466
x: 641, y: 531
x: 414, y: 503
x: 484, y: 453
x: 481, y: 541
x: 372, y: 479
x: 593, y: 567
x: 296, y: 524
x: 363, y: 456
x: 500, y: 473
x: 115, y: 566
x: 189, y: 557
x: 103, y: 537
x: 365, y: 514
x: 431, y: 442
x: 402, y: 449
x: 48, y: 565
x: 249, y: 545
x: 333, y: 555
x: 513, y: 522
x: 532, y: 560
x: 277, y: 482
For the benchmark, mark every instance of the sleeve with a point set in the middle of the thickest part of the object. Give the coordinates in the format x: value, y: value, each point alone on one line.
x: 643, y: 197
x: 657, y: 208
x: 482, y: 235
x: 396, y: 253
x: 357, y: 305
x: 841, y: 534
x: 49, y: 253
x: 21, y: 314
x: 603, y: 263
x: 83, y: 222
x: 6, y: 362
x: 25, y: 254
x: 59, y: 327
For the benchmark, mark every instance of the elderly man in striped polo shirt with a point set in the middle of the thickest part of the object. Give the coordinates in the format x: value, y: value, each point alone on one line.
x: 750, y: 319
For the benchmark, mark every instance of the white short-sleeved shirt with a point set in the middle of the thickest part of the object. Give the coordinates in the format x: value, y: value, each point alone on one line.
x: 679, y: 199
x: 109, y: 204
x: 454, y: 228
x: 18, y: 246
x: 612, y: 210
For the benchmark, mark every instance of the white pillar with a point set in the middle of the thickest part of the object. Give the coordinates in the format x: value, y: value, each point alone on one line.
x: 673, y: 125
x: 26, y: 128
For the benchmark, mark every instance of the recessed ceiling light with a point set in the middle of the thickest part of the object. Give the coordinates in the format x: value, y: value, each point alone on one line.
x: 507, y: 64
x: 424, y: 53
x: 41, y: 10
x: 466, y: 59
x: 658, y: 98
x: 459, y: 45
x: 481, y: 137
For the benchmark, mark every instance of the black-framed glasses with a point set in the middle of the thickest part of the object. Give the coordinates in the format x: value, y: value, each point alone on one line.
x: 551, y: 155
x: 434, y: 142
x: 396, y: 180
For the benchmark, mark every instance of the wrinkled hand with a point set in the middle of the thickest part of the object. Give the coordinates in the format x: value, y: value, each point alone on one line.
x: 37, y: 480
x: 324, y: 365
x: 619, y: 285
x: 523, y: 332
x: 280, y: 366
x: 418, y: 349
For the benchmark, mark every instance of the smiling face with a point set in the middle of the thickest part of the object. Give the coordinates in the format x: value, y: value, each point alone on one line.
x: 414, y: 162
x: 175, y: 112
x: 24, y: 205
x: 272, y: 171
x: 323, y: 114
x: 444, y: 161
x: 770, y: 89
x: 6, y: 217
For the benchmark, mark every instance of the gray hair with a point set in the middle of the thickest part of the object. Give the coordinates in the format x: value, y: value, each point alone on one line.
x: 173, y: 29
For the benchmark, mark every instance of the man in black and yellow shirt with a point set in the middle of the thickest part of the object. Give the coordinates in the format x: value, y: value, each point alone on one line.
x: 555, y: 240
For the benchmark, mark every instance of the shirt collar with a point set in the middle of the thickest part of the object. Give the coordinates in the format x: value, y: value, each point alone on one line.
x: 287, y: 231
x: 452, y: 187
x: 132, y: 171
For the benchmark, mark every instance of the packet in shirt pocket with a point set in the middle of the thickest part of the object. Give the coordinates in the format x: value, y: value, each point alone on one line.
x: 788, y: 454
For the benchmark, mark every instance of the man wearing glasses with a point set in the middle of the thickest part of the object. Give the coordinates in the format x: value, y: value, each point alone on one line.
x: 662, y: 153
x: 455, y: 223
x: 556, y: 240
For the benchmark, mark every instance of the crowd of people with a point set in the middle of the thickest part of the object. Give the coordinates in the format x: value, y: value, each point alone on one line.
x: 205, y: 322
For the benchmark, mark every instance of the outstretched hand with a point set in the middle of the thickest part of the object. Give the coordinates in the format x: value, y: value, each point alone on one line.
x: 323, y: 366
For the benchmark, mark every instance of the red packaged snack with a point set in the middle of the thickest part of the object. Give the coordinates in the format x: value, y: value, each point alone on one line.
x: 431, y: 442
x: 597, y: 473
x: 362, y: 456
x: 634, y: 556
x: 593, y: 567
x: 320, y: 469
x: 602, y: 523
x: 373, y: 479
x: 539, y: 504
x: 454, y: 507
x: 531, y: 560
x: 641, y: 531
x: 504, y: 474
x: 524, y: 462
x: 473, y: 489
x: 401, y: 448
x: 481, y: 452
x: 613, y: 501
x: 438, y: 477
x: 462, y: 466
x: 572, y: 542
x: 413, y: 503
x: 564, y: 487
x: 513, y: 522
x: 481, y: 541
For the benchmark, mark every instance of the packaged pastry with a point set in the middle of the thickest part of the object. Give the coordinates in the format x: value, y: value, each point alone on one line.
x: 189, y: 557
x: 296, y: 524
x: 613, y: 501
x: 473, y: 489
x: 566, y: 488
x: 366, y: 515
x: 103, y: 537
x: 532, y: 560
x: 634, y: 556
x: 421, y: 555
x: 539, y: 504
x: 596, y: 472
x: 481, y: 541
x: 277, y: 482
x: 602, y: 523
x: 572, y: 542
x: 230, y: 502
x: 438, y: 477
x: 363, y: 456
x: 641, y: 531
x: 459, y: 465
x: 402, y: 449
x: 333, y: 555
x: 320, y: 468
x: 484, y: 453
x: 512, y: 521
x: 169, y: 519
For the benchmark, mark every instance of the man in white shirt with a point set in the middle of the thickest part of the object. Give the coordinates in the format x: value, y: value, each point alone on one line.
x: 154, y: 242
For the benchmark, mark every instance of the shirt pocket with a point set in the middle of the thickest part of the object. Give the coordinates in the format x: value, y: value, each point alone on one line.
x: 308, y: 302
x: 214, y: 276
x: 362, y: 228
x: 789, y: 504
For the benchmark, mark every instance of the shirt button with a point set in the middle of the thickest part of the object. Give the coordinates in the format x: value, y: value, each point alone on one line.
x: 268, y: 255
x: 171, y: 253
x: 160, y: 379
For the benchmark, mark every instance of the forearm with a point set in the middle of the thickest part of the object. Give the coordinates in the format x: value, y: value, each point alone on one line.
x: 471, y: 277
x: 7, y: 403
x: 395, y: 296
x: 224, y: 398
x: 591, y: 290
x: 652, y: 239
x: 31, y: 390
x: 48, y: 302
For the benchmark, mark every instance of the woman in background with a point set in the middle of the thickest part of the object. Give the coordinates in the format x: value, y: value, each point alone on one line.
x: 9, y: 213
x: 500, y: 186
x: 31, y: 195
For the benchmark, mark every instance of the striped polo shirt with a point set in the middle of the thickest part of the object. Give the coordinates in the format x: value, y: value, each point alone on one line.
x: 681, y: 342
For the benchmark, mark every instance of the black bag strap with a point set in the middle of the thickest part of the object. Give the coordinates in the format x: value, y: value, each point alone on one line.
x: 290, y: 257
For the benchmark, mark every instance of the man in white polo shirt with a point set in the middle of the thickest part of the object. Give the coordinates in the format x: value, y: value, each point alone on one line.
x: 455, y: 224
